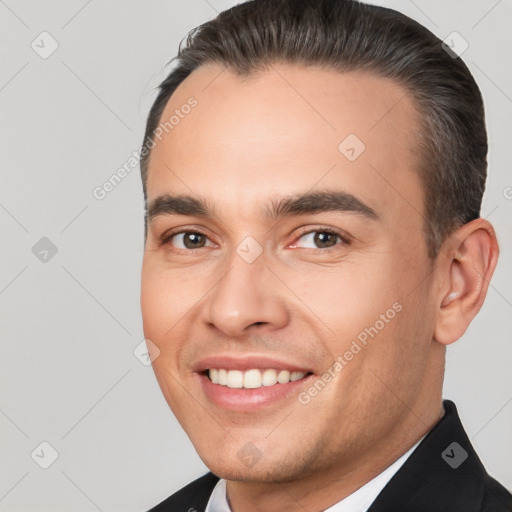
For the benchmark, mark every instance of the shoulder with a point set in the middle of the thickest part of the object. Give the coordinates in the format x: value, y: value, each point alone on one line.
x: 443, y: 474
x: 191, y: 498
x: 496, y: 497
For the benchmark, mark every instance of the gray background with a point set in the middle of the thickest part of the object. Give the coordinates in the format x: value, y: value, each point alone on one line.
x: 70, y: 324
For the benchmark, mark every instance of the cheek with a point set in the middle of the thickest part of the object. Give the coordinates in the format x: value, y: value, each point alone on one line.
x: 166, y: 298
x: 165, y: 302
x: 349, y: 298
x: 155, y: 305
x: 371, y: 318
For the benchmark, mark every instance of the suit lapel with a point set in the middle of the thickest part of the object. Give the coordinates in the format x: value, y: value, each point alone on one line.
x: 443, y: 474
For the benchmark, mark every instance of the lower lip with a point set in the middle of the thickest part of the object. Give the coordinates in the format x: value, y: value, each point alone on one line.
x: 244, y: 399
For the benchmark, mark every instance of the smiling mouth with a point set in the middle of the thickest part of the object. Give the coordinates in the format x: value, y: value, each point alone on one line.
x: 253, y: 378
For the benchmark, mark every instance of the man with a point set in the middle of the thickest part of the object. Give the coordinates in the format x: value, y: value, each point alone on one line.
x: 313, y: 172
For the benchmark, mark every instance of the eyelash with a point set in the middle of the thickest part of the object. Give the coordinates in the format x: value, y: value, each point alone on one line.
x: 167, y: 237
x: 345, y: 239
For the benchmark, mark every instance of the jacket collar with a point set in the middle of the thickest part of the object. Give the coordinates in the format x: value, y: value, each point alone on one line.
x: 443, y: 473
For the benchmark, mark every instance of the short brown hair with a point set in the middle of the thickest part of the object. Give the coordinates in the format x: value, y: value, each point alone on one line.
x: 347, y: 35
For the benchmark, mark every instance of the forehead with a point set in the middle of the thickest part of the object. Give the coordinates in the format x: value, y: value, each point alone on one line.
x: 287, y: 129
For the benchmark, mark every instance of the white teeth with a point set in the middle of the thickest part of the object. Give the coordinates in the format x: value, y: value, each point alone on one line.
x: 252, y: 379
x: 223, y: 377
x: 283, y: 377
x: 235, y: 379
x: 269, y: 378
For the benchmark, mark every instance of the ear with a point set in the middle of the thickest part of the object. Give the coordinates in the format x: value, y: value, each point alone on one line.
x: 467, y: 262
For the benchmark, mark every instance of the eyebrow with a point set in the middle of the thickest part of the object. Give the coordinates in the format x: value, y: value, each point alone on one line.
x: 316, y: 202
x: 177, y: 205
x: 297, y: 204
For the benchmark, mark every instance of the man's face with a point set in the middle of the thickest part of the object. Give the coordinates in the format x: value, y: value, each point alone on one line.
x: 259, y: 279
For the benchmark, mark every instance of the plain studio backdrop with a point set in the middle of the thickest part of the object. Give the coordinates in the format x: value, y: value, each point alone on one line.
x: 76, y: 82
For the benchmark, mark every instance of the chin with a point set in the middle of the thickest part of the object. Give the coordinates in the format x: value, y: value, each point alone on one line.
x: 247, y: 465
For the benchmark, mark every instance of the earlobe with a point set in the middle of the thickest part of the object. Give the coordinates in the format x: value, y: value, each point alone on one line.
x: 471, y: 254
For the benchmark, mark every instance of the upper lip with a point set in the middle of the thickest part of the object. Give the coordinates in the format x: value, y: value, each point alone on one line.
x: 247, y: 362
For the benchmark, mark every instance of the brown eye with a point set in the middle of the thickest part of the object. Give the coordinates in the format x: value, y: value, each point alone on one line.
x: 189, y: 240
x: 325, y: 239
x: 319, y: 240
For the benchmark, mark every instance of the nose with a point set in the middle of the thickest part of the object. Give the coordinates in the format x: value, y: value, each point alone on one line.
x: 248, y: 296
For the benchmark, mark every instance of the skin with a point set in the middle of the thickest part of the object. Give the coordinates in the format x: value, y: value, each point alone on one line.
x: 254, y: 140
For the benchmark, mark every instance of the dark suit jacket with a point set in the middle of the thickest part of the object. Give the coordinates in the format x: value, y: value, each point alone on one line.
x: 443, y: 474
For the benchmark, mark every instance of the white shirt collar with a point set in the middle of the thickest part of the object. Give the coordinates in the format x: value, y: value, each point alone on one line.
x: 358, y: 501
